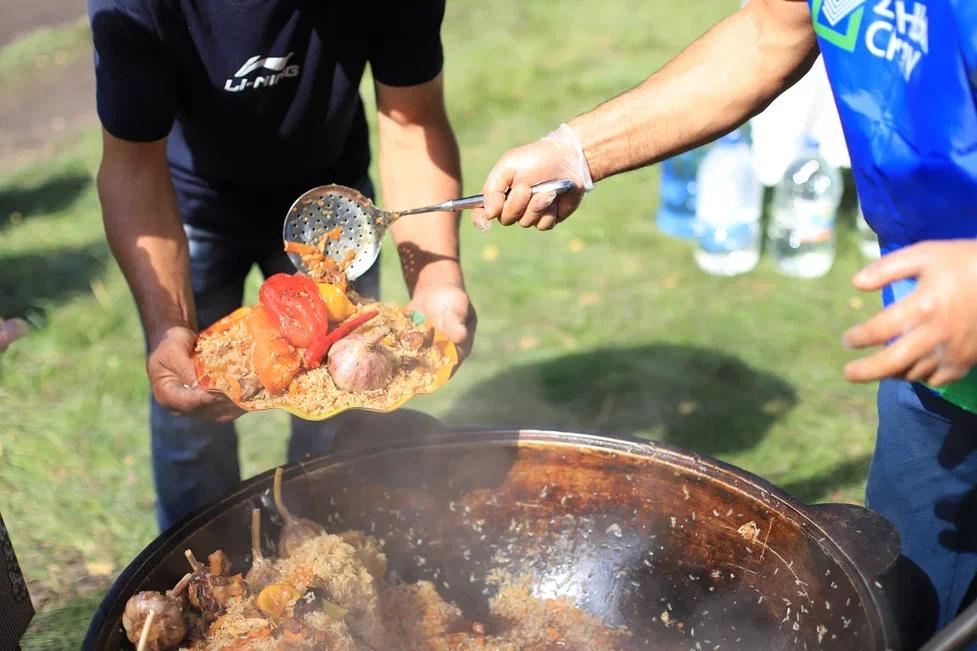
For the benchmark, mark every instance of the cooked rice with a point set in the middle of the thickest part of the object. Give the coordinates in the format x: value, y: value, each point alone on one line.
x: 555, y: 622
x: 417, y: 615
x: 312, y: 391
x: 382, y: 613
x: 335, y: 566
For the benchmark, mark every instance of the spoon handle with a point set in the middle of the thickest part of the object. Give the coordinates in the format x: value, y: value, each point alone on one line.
x: 477, y: 201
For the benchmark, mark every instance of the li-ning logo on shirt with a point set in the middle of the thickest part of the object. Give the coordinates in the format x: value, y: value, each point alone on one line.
x: 898, y: 31
x: 278, y: 65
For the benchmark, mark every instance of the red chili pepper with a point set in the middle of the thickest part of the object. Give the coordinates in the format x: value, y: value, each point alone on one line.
x: 320, y: 347
x: 295, y: 302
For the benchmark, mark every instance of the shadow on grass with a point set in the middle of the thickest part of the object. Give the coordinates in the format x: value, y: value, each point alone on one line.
x: 698, y: 398
x: 50, y: 196
x: 61, y: 626
x: 29, y: 281
x: 819, y: 487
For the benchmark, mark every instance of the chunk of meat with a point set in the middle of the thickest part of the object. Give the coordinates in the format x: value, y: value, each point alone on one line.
x: 419, y: 339
x: 218, y: 563
x: 250, y: 387
x: 210, y: 586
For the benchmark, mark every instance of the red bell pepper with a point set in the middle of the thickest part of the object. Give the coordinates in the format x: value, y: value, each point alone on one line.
x: 295, y: 302
x: 275, y: 362
x: 321, y: 345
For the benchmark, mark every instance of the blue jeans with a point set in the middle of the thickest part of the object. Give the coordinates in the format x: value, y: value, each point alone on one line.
x: 923, y: 478
x: 195, y: 461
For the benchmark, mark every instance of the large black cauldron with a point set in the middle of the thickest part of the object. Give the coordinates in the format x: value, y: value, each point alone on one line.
x: 629, y: 530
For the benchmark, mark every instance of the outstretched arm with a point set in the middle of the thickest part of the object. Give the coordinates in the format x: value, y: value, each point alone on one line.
x: 725, y: 77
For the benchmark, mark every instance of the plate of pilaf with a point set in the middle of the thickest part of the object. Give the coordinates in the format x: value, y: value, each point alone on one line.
x: 315, y: 349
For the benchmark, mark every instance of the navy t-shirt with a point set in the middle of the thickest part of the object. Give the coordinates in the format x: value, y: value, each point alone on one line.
x: 260, y: 98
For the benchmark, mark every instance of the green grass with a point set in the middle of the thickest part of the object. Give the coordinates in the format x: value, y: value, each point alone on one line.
x: 600, y: 325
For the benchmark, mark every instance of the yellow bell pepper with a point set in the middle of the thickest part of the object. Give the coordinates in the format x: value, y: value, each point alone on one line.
x: 338, y: 305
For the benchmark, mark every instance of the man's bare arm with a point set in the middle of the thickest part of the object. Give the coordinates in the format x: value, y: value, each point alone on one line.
x: 419, y: 165
x: 725, y: 77
x: 144, y: 230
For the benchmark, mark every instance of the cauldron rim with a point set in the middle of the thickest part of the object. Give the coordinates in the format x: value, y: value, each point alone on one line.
x: 884, y: 548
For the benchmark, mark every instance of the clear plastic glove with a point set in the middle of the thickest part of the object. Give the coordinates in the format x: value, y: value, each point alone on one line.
x: 507, y: 188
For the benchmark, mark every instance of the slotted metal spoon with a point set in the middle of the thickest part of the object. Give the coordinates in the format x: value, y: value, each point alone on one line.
x: 361, y: 225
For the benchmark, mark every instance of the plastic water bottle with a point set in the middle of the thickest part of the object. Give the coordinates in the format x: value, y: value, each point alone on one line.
x: 868, y: 242
x: 729, y: 202
x: 802, y: 222
x: 676, y: 214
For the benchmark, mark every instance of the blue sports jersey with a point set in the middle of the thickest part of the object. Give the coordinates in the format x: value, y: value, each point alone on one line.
x: 903, y: 77
x: 902, y: 72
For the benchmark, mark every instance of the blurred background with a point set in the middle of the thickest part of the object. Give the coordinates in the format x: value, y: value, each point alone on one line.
x: 607, y: 324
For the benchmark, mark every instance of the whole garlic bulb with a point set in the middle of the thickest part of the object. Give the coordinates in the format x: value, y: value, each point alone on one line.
x: 359, y: 363
x: 168, y: 627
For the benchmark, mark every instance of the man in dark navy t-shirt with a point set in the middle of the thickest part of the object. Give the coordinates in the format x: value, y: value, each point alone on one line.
x: 216, y: 116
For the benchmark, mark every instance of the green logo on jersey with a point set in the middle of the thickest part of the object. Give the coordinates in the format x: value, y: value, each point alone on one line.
x: 826, y: 22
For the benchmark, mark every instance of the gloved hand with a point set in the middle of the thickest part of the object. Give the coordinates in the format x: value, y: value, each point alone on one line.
x: 558, y: 155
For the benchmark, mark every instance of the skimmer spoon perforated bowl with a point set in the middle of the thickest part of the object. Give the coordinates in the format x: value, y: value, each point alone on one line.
x: 356, y: 227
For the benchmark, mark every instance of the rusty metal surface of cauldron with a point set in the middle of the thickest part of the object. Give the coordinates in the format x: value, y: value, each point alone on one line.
x: 679, y: 548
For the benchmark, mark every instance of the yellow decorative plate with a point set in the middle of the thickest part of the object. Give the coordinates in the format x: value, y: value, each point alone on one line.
x: 213, y: 380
